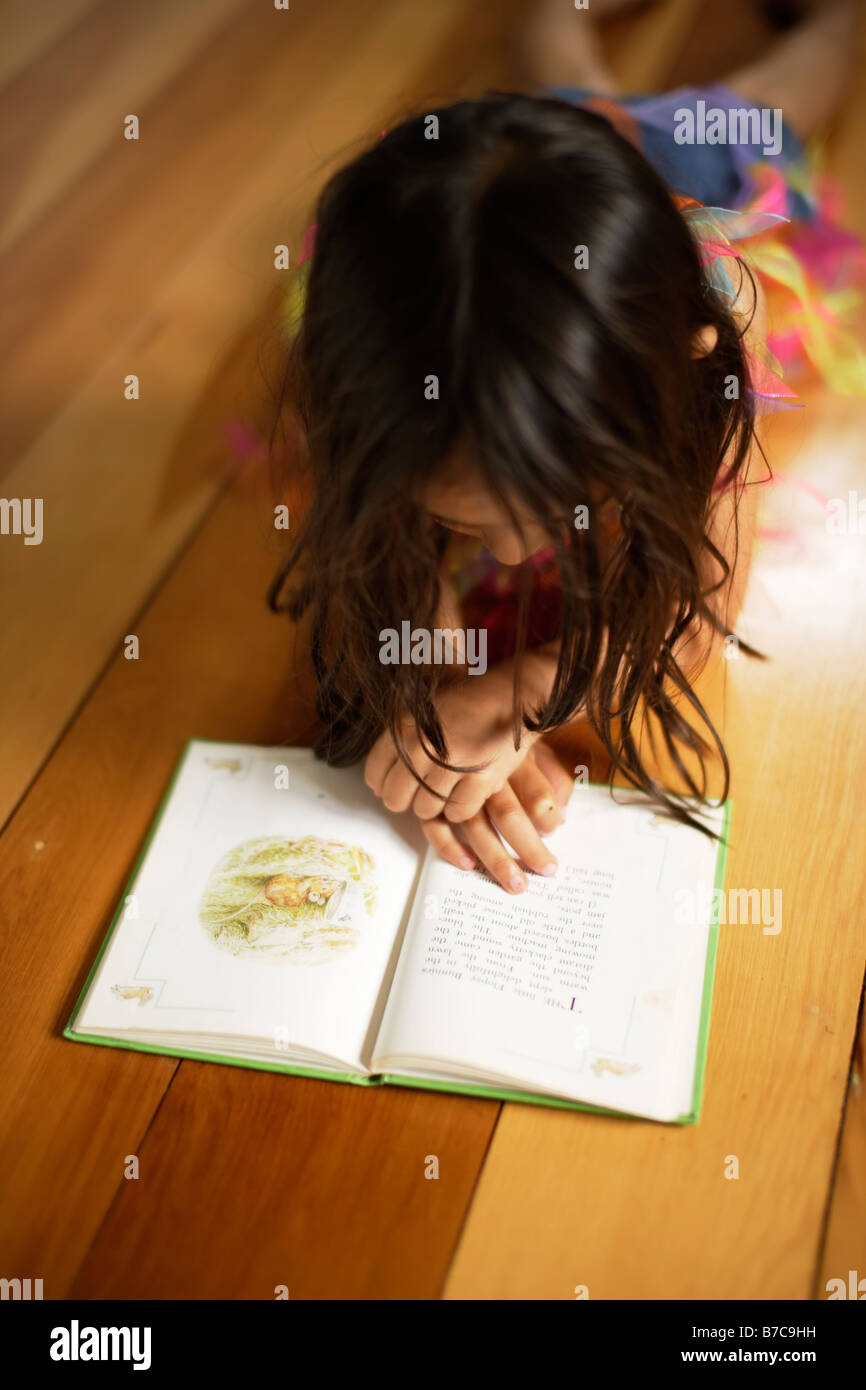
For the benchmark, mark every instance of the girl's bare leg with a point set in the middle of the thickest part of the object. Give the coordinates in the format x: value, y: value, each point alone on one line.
x: 806, y: 73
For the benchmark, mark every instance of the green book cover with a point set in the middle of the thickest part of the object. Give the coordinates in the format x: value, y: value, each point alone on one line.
x: 470, y: 1088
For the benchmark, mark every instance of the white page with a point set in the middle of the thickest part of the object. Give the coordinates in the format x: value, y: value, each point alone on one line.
x: 317, y: 992
x: 585, y: 986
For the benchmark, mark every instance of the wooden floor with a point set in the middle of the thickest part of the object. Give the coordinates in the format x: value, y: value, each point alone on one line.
x: 154, y: 257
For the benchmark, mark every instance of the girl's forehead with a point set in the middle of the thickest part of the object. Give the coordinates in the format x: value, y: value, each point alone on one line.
x: 467, y: 500
x: 456, y: 491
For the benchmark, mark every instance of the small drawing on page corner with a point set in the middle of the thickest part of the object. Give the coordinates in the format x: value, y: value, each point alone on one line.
x: 143, y: 993
x: 231, y: 765
x: 609, y: 1064
x: 303, y: 901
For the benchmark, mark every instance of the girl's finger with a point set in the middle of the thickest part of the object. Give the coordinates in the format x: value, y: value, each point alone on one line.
x: 467, y: 798
x: 510, y: 819
x: 427, y: 805
x: 536, y: 795
x: 484, y: 841
x: 379, y: 761
x: 400, y: 786
x: 445, y: 842
x: 559, y: 779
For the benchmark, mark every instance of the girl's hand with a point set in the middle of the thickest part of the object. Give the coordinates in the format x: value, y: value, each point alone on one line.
x: 531, y: 801
x: 476, y: 720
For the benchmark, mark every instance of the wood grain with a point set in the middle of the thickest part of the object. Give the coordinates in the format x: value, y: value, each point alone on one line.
x: 123, y: 482
x: 63, y: 113
x: 254, y: 1180
x: 29, y: 30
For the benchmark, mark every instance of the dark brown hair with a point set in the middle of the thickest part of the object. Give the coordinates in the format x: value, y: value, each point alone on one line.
x: 454, y: 257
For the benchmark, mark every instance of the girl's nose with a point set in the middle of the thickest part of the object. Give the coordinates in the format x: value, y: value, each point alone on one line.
x: 506, y: 549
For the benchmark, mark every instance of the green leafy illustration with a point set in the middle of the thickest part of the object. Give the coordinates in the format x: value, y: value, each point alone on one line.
x: 289, y: 898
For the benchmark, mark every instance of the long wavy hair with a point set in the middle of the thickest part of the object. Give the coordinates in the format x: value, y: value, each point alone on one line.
x: 447, y: 250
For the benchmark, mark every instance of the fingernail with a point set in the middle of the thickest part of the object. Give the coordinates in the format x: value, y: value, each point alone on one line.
x: 517, y: 884
x: 465, y: 862
x: 549, y: 869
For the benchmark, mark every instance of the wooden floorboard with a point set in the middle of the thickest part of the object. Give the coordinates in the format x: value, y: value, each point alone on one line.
x: 63, y: 113
x: 30, y: 30
x: 250, y: 1181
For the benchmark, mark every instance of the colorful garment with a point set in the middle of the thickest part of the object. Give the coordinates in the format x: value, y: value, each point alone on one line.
x: 489, y: 595
x: 812, y: 271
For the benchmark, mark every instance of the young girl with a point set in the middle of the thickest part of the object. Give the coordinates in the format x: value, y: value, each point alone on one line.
x: 527, y: 371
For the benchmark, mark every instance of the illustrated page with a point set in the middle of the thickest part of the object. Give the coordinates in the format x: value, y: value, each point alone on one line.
x: 267, y: 907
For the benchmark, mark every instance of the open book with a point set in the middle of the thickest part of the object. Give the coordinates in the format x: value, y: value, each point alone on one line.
x: 278, y: 917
